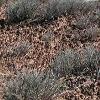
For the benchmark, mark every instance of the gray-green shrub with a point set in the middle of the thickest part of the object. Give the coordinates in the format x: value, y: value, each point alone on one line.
x: 91, y: 57
x: 20, y: 10
x: 73, y: 62
x: 32, y: 85
x: 38, y: 11
x: 64, y: 62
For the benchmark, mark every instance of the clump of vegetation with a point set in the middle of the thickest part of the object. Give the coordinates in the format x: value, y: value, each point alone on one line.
x: 65, y: 62
x: 89, y: 34
x: 40, y: 11
x: 90, y: 58
x: 32, y: 85
x: 20, y: 10
x: 72, y: 62
x: 81, y: 23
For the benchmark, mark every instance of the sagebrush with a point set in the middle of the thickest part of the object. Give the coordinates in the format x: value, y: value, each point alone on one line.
x: 39, y: 11
x: 32, y: 85
x: 72, y: 62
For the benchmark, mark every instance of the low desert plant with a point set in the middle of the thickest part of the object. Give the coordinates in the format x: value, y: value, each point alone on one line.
x: 65, y: 62
x: 89, y: 34
x: 73, y: 62
x: 91, y: 57
x: 36, y: 10
x: 81, y: 23
x: 31, y: 86
x: 57, y: 8
x: 20, y: 10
